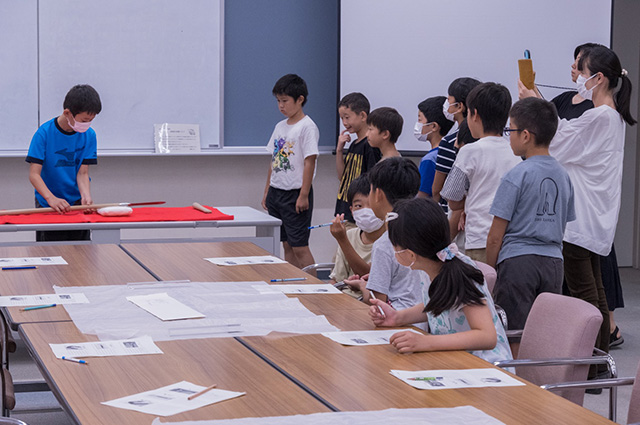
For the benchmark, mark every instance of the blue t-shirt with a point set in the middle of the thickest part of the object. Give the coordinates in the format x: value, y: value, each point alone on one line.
x: 428, y: 171
x: 536, y: 198
x: 61, y: 154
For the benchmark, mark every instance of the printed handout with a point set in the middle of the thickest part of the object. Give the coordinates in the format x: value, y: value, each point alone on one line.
x: 172, y: 399
x: 124, y: 347
x: 448, y: 379
x: 32, y: 261
x: 245, y: 261
x: 378, y: 337
x: 312, y: 288
x: 42, y: 299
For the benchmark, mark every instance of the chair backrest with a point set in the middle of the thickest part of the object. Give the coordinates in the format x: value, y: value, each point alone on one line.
x: 559, y: 327
x: 634, y: 401
x: 489, y: 273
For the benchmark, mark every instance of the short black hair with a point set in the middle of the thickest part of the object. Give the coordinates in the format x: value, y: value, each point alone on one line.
x: 82, y: 98
x: 464, y: 134
x: 538, y: 116
x: 291, y: 85
x: 431, y: 108
x: 581, y: 47
x: 359, y: 185
x: 397, y: 177
x: 357, y: 102
x: 387, y: 119
x: 460, y: 89
x: 492, y: 102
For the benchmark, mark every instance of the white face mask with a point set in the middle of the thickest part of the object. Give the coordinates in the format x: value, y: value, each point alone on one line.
x: 366, y: 220
x: 445, y: 110
x: 79, y: 127
x: 417, y: 132
x: 582, y: 89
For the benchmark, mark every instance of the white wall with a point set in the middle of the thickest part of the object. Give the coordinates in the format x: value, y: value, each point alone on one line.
x: 180, y: 181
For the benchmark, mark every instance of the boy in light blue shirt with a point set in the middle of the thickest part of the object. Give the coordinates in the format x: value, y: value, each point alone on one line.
x: 531, y: 208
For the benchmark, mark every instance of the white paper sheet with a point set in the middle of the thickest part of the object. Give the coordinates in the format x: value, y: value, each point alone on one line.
x: 172, y: 399
x: 378, y: 337
x: 243, y: 261
x: 231, y: 309
x: 125, y: 347
x: 462, y: 415
x: 312, y: 288
x: 463, y: 378
x: 164, y: 307
x: 32, y: 261
x: 42, y: 299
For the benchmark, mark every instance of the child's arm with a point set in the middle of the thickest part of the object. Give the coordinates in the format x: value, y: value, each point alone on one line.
x: 354, y: 260
x: 266, y: 189
x: 454, y: 222
x: 394, y: 317
x: 494, y: 240
x: 481, y: 336
x: 58, y: 204
x: 84, y: 185
x: 302, y: 203
x: 438, y: 181
x: 342, y: 140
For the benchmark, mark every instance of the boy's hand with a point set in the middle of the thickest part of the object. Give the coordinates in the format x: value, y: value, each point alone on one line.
x: 264, y: 202
x: 343, y: 139
x: 390, y: 315
x: 524, y: 92
x: 87, y: 201
x: 408, y: 342
x: 356, y: 282
x: 302, y: 203
x: 462, y: 221
x: 337, y: 228
x: 58, y: 204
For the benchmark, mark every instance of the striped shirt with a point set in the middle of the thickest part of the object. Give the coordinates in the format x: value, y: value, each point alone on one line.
x: 446, y: 153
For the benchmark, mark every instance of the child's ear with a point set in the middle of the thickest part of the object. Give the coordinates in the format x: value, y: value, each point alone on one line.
x: 437, y: 128
x: 386, y: 134
x: 300, y: 99
x: 363, y: 115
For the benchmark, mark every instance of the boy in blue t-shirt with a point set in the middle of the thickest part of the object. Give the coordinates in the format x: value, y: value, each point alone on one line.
x: 59, y: 156
x: 431, y: 127
x: 531, y: 208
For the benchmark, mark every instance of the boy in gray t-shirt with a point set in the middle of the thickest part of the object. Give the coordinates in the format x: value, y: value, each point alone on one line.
x: 391, y: 180
x: 531, y: 208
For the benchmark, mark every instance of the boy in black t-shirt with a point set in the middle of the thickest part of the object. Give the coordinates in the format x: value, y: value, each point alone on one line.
x: 360, y: 157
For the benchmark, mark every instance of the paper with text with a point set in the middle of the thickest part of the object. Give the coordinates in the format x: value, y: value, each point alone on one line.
x: 463, y: 378
x: 378, y: 337
x: 245, y: 261
x: 32, y: 261
x: 165, y: 307
x: 311, y: 288
x: 42, y: 299
x: 124, y: 347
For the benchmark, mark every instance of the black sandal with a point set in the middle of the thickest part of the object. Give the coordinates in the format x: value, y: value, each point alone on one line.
x: 614, y: 339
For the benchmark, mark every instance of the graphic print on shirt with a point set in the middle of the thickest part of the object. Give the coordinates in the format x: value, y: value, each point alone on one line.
x: 69, y: 157
x: 351, y: 172
x: 282, y: 150
x: 548, y: 198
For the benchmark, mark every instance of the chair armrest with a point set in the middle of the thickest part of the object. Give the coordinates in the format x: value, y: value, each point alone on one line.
x: 596, y: 383
x: 553, y: 362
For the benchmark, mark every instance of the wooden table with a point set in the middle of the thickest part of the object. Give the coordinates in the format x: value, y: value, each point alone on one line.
x: 225, y: 362
x: 186, y: 261
x: 87, y: 265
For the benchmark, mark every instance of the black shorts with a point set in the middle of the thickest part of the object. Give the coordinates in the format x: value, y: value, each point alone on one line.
x: 295, y: 227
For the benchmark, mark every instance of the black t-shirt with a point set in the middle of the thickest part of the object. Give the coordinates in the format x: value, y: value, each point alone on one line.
x: 360, y: 158
x: 566, y: 109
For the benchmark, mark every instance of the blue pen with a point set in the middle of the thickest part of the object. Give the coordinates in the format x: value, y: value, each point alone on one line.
x: 38, y: 307
x: 19, y: 268
x: 291, y: 279
x: 71, y: 359
x: 323, y: 225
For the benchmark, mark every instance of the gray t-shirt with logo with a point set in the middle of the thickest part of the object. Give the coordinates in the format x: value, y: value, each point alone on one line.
x: 536, y: 198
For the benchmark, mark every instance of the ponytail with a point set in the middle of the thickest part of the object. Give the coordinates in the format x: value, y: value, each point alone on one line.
x: 454, y: 287
x: 623, y: 99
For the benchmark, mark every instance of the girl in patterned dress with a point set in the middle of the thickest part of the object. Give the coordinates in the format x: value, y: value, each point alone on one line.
x: 457, y: 304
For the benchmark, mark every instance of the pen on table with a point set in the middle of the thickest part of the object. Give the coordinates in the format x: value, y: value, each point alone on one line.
x: 71, y: 359
x: 323, y: 225
x: 198, y: 394
x: 19, y: 268
x: 38, y: 307
x: 290, y: 279
x: 379, y: 308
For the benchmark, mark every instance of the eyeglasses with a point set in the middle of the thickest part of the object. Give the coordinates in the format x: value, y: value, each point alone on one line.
x: 508, y: 131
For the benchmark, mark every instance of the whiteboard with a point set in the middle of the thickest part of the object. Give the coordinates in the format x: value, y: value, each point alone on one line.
x: 401, y: 52
x: 18, y: 74
x: 151, y: 61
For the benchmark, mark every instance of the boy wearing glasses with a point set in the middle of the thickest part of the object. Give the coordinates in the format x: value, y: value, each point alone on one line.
x: 475, y: 176
x: 531, y: 208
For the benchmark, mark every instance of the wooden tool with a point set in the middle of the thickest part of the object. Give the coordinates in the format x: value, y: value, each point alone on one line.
x: 78, y: 207
x: 199, y: 207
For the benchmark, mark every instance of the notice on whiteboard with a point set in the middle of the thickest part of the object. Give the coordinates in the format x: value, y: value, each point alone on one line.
x: 176, y: 138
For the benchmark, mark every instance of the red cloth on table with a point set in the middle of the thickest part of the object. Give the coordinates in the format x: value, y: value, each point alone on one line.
x: 139, y: 214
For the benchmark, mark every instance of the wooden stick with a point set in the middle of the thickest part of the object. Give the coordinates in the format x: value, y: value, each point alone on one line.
x: 199, y: 207
x: 191, y: 397
x: 75, y: 208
